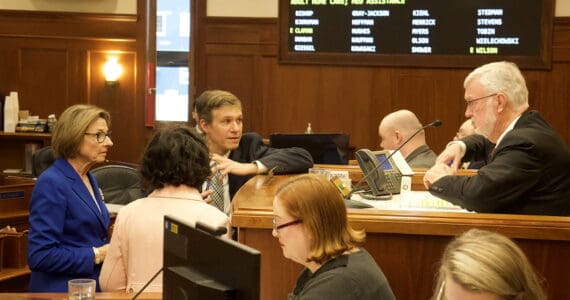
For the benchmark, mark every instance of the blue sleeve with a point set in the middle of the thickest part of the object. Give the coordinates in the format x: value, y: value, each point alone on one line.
x: 48, y: 250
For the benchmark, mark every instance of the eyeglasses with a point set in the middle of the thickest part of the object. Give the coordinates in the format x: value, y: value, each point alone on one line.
x: 277, y: 227
x: 470, y: 102
x: 100, y: 135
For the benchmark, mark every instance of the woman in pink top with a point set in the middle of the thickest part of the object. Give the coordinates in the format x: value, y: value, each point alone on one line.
x: 175, y: 163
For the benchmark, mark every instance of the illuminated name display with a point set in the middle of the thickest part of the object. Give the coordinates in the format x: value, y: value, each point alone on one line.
x: 416, y: 27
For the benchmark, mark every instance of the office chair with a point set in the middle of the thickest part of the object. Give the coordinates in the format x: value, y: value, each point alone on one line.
x: 41, y: 160
x: 120, y: 184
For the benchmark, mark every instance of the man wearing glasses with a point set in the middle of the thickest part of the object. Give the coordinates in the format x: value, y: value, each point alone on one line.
x: 527, y: 172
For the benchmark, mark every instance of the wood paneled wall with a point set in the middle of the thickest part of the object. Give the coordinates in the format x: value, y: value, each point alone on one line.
x: 55, y: 60
x: 241, y: 55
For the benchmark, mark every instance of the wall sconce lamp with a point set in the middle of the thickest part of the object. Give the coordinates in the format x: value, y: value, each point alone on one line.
x: 112, y: 70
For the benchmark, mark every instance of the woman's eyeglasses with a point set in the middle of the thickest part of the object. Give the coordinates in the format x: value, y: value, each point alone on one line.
x: 100, y: 136
x: 277, y: 227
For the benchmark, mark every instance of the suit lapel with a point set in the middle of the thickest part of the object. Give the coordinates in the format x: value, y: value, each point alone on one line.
x: 104, y: 216
x: 82, y: 192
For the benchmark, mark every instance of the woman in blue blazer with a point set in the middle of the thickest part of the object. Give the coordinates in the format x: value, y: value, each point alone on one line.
x: 68, y: 220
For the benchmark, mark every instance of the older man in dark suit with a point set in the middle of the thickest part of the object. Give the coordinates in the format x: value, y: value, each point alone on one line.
x: 528, y: 171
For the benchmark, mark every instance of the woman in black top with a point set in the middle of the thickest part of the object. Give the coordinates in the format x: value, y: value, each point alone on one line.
x: 311, y: 224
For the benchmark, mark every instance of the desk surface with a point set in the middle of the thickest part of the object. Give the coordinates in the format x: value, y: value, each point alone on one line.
x: 255, y: 198
x: 63, y: 296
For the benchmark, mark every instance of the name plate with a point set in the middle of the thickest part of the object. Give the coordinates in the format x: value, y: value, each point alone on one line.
x: 11, y: 195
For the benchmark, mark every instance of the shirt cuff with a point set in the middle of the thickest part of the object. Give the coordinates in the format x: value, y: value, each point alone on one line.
x: 261, y: 168
x: 461, y: 144
x: 97, y: 254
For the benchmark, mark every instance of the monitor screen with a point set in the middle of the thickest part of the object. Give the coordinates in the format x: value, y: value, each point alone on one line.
x: 386, y: 166
x: 199, y: 265
x: 325, y: 148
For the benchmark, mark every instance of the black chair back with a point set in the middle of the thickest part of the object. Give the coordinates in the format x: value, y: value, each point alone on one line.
x: 120, y: 184
x: 41, y: 160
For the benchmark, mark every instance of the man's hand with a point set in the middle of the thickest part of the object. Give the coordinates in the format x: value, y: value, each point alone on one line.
x: 451, y: 156
x: 227, y: 166
x: 436, y: 172
x: 206, y: 195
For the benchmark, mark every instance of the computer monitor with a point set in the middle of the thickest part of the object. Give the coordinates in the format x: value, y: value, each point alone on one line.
x: 199, y: 265
x: 325, y: 148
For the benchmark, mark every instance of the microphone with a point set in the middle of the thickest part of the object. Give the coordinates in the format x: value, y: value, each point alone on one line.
x: 435, y: 123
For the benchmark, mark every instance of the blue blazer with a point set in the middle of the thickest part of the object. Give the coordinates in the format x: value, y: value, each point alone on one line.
x: 65, y: 225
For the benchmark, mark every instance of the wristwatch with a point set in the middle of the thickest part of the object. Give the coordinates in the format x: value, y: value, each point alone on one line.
x: 97, y: 255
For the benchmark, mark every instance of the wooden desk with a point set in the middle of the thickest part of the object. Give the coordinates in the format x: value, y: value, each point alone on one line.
x: 15, y: 196
x: 406, y: 244
x: 63, y: 296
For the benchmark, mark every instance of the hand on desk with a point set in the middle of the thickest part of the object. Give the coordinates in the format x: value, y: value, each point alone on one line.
x: 436, y: 172
x: 227, y: 166
x: 451, y: 156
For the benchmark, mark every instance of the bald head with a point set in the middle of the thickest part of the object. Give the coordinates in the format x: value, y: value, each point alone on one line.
x: 403, y: 120
x: 397, y: 127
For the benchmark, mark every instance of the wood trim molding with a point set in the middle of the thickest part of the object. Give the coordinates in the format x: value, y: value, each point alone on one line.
x: 33, y: 24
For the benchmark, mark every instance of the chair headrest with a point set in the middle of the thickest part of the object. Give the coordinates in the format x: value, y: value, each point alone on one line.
x: 42, y: 159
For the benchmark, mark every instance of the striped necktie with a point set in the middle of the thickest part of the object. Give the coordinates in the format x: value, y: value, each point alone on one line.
x: 217, y: 187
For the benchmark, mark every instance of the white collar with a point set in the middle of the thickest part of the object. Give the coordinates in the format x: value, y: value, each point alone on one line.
x: 509, y: 128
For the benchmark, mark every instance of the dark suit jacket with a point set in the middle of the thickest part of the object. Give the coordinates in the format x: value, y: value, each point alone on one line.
x: 285, y: 161
x: 65, y: 225
x: 529, y: 172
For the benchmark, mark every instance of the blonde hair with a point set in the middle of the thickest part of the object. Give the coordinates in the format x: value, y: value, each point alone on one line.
x: 70, y: 128
x: 485, y: 261
x: 317, y: 202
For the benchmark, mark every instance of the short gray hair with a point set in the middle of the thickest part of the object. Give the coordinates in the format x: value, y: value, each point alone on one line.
x: 504, y: 77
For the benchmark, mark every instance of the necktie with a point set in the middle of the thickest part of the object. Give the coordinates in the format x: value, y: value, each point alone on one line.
x: 491, y: 154
x: 218, y: 191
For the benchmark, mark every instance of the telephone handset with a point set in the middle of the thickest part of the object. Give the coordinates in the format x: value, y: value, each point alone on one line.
x: 385, y: 179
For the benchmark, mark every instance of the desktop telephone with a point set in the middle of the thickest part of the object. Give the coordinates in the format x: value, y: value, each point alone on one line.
x: 385, y: 179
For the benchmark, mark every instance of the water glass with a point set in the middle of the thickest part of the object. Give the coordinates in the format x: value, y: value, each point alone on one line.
x: 81, y: 289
